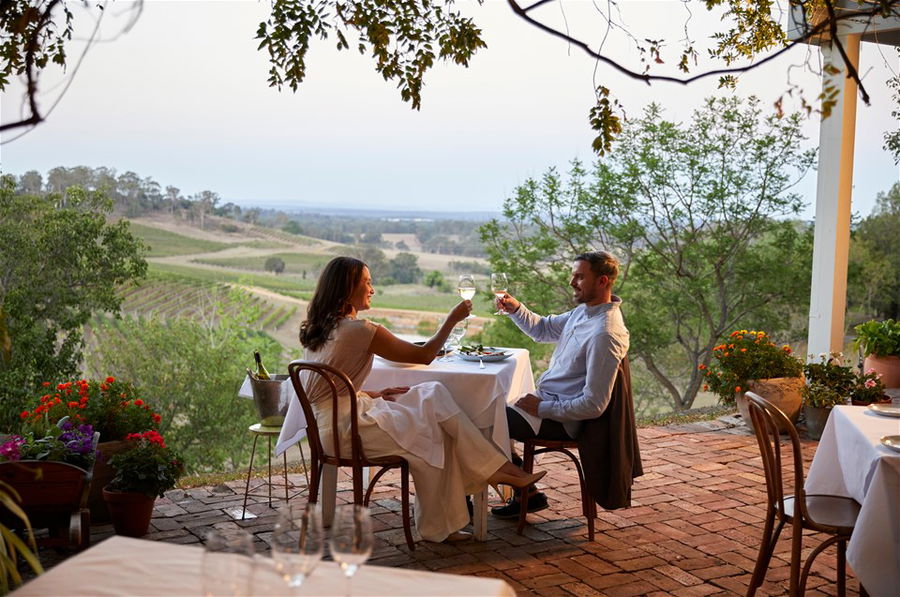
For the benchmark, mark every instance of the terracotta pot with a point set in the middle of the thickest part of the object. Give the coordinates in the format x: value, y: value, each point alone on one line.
x: 816, y: 418
x: 130, y: 512
x: 888, y: 367
x: 783, y: 392
x: 103, y: 474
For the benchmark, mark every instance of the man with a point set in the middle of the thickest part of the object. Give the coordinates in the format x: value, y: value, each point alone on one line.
x: 592, y: 341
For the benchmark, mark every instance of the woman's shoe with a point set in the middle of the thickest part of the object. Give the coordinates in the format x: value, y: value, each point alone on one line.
x: 516, y: 481
x: 457, y: 536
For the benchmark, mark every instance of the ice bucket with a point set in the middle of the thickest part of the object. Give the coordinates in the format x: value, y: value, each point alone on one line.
x: 267, y: 397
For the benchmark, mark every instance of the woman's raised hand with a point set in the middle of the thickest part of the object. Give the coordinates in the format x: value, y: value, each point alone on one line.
x: 460, y: 311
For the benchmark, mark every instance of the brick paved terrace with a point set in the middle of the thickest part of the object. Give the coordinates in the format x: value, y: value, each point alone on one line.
x: 693, y: 529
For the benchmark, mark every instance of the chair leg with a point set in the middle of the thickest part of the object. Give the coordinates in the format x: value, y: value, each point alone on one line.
x: 766, y: 548
x: 303, y: 460
x: 796, y: 546
x: 284, y: 470
x: 588, y: 505
x: 527, y: 466
x: 404, y: 501
x: 249, y: 472
x: 269, y: 462
x: 842, y: 568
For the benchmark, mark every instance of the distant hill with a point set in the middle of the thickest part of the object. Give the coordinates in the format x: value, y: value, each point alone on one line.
x: 383, y: 214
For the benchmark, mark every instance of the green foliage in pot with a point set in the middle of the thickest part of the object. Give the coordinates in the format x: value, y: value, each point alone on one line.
x: 878, y: 338
x: 828, y: 382
x: 148, y: 466
x: 12, y: 546
x: 747, y: 356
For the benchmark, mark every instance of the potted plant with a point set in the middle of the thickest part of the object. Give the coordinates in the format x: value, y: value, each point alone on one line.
x: 867, y: 389
x: 749, y: 360
x: 143, y: 472
x: 879, y: 342
x: 114, y: 408
x: 50, y: 471
x: 13, y: 546
x: 829, y: 382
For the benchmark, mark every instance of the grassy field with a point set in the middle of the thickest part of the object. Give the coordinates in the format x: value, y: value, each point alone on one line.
x: 288, y: 285
x: 294, y: 263
x: 165, y: 244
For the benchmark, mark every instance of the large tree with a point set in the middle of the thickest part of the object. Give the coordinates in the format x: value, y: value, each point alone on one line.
x: 691, y: 211
x: 405, y: 38
x: 60, y: 261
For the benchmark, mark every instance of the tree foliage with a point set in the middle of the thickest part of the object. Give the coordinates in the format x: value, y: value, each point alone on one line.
x: 404, y: 38
x: 874, y: 270
x: 60, y: 262
x: 690, y: 210
x: 193, y: 378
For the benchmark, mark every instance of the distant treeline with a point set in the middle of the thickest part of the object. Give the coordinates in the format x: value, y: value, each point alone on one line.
x: 136, y: 196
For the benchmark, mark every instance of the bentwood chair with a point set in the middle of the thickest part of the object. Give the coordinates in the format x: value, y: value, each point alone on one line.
x: 341, y: 388
x: 535, y: 446
x: 829, y: 514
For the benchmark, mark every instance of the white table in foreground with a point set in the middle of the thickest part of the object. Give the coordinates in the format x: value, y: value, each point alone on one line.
x: 850, y: 461
x: 122, y: 566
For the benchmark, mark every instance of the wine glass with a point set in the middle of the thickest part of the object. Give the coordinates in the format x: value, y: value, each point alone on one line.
x: 351, y: 539
x: 499, y: 286
x: 297, y: 542
x: 227, y: 563
x: 453, y: 339
x: 466, y: 289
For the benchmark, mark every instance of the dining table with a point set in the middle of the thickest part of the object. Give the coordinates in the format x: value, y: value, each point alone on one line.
x: 124, y: 566
x: 852, y: 461
x: 481, y: 389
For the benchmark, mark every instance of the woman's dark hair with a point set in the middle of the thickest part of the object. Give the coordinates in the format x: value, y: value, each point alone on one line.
x: 330, y: 302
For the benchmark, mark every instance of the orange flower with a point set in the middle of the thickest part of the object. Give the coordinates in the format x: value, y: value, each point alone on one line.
x: 110, y: 379
x: 104, y: 387
x: 24, y: 414
x: 46, y: 384
x: 138, y: 402
x: 72, y: 404
x: 705, y: 388
x: 737, y: 388
x: 743, y: 350
x: 701, y: 367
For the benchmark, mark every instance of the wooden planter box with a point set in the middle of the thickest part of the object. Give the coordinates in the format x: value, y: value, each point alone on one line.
x: 54, y: 496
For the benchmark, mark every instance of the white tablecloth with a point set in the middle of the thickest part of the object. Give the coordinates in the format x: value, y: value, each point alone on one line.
x: 481, y: 393
x: 122, y: 566
x: 850, y: 461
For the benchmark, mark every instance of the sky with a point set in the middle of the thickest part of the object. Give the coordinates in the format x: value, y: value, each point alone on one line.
x: 182, y: 97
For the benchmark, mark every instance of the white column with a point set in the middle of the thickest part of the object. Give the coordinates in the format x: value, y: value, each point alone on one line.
x: 828, y: 298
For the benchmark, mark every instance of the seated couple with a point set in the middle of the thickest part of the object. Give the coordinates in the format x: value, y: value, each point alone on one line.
x: 448, y: 456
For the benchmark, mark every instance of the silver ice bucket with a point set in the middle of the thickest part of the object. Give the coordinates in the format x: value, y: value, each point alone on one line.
x: 271, y: 403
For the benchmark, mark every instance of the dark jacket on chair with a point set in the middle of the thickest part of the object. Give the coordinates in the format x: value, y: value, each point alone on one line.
x: 608, y: 447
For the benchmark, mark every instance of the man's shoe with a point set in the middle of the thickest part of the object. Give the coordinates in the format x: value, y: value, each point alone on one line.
x: 536, y: 503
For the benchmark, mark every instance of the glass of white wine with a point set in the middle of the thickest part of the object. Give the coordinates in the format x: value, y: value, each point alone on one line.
x: 351, y: 539
x: 499, y: 286
x: 466, y: 289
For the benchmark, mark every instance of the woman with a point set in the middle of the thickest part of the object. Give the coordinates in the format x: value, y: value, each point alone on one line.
x: 448, y: 456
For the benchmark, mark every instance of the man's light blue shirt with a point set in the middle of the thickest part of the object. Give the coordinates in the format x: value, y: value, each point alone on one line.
x: 591, y: 341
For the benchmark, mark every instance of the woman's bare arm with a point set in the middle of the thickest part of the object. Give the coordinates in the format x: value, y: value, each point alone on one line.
x: 387, y: 345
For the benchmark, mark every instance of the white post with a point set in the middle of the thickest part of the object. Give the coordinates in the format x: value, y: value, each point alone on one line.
x: 828, y: 298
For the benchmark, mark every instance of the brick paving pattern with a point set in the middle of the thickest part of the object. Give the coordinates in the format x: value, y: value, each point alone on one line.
x: 693, y: 529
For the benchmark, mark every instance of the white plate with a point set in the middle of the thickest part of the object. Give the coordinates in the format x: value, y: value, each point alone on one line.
x: 892, y: 442
x: 885, y: 410
x: 487, y: 358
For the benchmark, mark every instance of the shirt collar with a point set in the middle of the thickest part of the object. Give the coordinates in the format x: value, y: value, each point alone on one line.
x: 593, y: 310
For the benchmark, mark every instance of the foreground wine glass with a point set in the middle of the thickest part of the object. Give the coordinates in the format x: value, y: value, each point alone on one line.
x: 466, y: 289
x: 499, y: 286
x: 227, y: 563
x: 351, y: 539
x: 297, y: 542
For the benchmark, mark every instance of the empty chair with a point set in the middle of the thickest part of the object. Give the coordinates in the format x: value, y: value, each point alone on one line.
x: 833, y: 515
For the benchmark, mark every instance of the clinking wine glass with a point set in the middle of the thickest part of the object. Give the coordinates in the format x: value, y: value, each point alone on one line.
x: 297, y: 542
x: 466, y: 289
x: 499, y: 286
x: 351, y: 539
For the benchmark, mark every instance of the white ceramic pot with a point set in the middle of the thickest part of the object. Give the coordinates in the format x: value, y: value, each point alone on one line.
x: 783, y: 392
